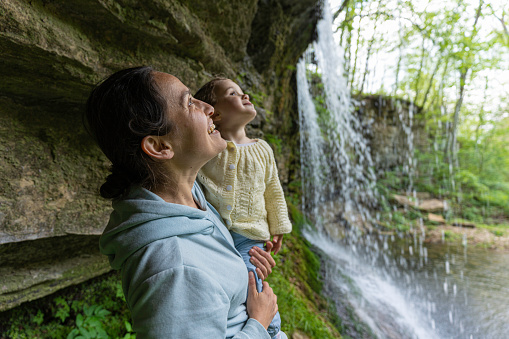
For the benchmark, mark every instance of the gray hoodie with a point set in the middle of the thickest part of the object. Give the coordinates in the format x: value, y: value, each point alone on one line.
x: 181, y: 275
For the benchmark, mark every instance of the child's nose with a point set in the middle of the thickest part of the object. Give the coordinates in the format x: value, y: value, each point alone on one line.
x: 245, y: 96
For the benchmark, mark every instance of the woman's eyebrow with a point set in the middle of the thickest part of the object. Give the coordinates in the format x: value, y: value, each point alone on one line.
x: 184, y: 97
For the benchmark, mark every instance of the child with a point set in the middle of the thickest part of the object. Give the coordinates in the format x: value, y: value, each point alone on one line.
x: 242, y: 182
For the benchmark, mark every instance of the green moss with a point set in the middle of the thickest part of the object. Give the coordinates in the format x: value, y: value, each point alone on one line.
x: 297, y: 282
x: 452, y: 236
x: 275, y: 141
x: 498, y: 229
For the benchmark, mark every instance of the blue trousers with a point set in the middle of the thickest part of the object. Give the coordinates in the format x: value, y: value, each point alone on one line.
x: 243, y: 245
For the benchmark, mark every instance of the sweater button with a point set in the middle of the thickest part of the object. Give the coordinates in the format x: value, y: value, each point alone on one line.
x: 228, y: 222
x: 229, y: 187
x: 232, y: 166
x: 229, y: 207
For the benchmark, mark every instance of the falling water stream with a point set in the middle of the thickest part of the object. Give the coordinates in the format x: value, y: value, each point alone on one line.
x: 398, y: 286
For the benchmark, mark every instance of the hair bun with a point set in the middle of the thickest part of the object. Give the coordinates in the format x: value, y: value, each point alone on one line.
x: 117, y: 184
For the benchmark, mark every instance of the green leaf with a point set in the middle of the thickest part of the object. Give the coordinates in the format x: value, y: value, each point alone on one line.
x: 79, y: 320
x: 73, y: 334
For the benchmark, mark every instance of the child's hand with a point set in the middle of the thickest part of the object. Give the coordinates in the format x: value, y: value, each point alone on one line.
x: 277, y: 241
x: 263, y: 262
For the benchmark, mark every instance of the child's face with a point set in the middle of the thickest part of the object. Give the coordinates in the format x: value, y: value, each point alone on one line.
x: 232, y: 106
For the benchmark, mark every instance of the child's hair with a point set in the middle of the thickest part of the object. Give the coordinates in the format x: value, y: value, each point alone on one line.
x: 206, y: 92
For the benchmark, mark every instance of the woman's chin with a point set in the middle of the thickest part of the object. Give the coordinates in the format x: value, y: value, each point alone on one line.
x: 223, y: 144
x: 219, y: 141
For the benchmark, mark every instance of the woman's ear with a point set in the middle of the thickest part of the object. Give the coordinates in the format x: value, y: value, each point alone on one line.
x: 156, y: 147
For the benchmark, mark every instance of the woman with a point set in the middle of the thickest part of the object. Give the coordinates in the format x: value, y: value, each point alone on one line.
x: 181, y: 275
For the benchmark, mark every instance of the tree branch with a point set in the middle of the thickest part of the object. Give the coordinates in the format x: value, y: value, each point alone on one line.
x: 388, y: 15
x: 341, y: 8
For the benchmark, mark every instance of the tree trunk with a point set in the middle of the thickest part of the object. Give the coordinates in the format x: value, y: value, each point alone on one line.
x: 423, y: 53
x: 431, y: 82
x: 463, y: 75
x: 480, y: 155
x: 370, y: 46
x: 357, y: 47
x: 398, y: 66
x: 457, y: 108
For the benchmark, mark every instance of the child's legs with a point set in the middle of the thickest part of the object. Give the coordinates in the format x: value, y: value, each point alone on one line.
x: 243, y: 245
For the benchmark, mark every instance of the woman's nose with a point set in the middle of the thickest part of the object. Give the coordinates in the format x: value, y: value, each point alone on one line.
x: 207, y: 109
x: 245, y: 96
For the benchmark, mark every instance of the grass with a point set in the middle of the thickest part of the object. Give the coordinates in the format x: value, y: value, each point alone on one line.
x: 499, y: 230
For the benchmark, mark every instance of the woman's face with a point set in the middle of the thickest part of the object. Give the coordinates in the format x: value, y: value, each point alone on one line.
x: 193, y: 138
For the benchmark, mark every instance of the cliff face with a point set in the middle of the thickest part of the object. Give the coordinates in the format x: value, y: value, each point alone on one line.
x: 51, y: 55
x: 394, y: 129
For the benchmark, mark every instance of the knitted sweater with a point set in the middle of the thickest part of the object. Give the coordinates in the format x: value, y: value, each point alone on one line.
x: 242, y: 183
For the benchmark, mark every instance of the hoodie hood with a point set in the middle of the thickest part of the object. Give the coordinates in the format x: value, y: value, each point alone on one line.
x: 143, y: 217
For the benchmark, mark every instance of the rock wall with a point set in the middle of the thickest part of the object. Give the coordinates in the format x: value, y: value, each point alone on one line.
x: 394, y: 128
x: 51, y: 55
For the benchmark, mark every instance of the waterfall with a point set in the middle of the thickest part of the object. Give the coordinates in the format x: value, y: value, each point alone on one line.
x: 314, y: 171
x: 345, y: 159
x: 338, y: 183
x: 384, y: 285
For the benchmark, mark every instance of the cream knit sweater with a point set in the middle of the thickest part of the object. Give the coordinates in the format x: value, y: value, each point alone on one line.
x: 242, y: 183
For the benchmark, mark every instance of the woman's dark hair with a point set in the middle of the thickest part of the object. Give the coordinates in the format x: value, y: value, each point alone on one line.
x: 206, y: 92
x: 120, y: 112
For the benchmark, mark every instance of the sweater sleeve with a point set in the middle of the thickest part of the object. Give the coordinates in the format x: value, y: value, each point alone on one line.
x: 275, y: 204
x: 184, y: 302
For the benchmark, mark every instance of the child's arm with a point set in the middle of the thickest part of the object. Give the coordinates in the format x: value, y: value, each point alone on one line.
x: 275, y: 203
x: 277, y: 241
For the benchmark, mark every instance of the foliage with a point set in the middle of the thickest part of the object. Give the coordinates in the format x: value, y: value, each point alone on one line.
x: 275, y: 141
x: 90, y: 324
x: 94, y: 309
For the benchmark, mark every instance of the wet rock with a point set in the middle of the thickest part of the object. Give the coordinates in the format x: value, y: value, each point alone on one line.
x: 393, y: 137
x: 464, y: 223
x: 427, y: 205
x: 34, y: 268
x: 436, y: 218
x: 432, y: 205
x: 404, y: 201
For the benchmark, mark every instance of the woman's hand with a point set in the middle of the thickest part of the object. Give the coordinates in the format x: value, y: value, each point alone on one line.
x: 261, y: 306
x: 262, y: 260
